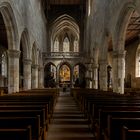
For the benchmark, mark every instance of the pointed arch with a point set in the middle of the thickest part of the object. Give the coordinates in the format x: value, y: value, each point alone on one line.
x: 66, y: 44
x: 137, y: 72
x: 121, y: 25
x: 11, y: 25
x: 34, y: 54
x: 64, y: 63
x: 55, y: 47
x: 25, y: 41
x: 64, y: 24
x: 40, y: 59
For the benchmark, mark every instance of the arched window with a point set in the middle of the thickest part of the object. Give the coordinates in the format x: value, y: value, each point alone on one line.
x: 76, y: 46
x: 138, y: 62
x: 56, y: 45
x: 66, y: 45
x: 3, y: 63
x: 89, y: 7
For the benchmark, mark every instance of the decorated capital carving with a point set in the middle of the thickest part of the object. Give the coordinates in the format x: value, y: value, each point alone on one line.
x: 103, y: 62
x: 41, y: 68
x: 35, y: 66
x: 14, y: 53
x: 120, y: 54
x: 27, y: 61
x: 95, y: 66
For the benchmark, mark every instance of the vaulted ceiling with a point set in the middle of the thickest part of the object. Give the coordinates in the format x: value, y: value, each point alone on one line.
x: 73, y: 8
x: 133, y: 29
x: 65, y: 2
x: 3, y: 33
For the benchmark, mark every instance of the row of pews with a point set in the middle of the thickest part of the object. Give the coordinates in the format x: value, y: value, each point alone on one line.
x: 26, y: 115
x: 111, y: 116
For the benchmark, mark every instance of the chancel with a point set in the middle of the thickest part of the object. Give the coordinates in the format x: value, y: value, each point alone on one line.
x: 69, y: 69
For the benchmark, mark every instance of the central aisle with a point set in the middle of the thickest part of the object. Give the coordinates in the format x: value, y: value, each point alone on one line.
x: 68, y: 122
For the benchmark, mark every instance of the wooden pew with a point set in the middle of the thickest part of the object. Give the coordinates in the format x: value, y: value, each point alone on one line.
x: 114, y: 127
x: 16, y: 134
x: 27, y: 113
x: 102, y: 124
x: 91, y: 102
x: 130, y: 134
x: 29, y: 104
x: 3, y: 90
x: 23, y: 122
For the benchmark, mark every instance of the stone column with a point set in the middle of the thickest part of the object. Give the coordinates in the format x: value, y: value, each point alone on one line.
x: 118, y: 71
x: 13, y: 71
x: 103, y: 75
x: 41, y: 77
x: 89, y: 76
x: 27, y: 74
x: 34, y: 76
x: 2, y: 81
x: 95, y: 76
x: 71, y: 77
x: 61, y: 46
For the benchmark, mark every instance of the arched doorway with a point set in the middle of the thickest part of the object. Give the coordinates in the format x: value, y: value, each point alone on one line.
x: 50, y: 75
x: 64, y: 76
x: 79, y: 72
x: 24, y: 62
x: 9, y: 40
x: 21, y: 77
x: 3, y: 54
x: 34, y: 70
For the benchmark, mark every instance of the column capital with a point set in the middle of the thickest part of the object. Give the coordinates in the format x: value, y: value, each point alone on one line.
x: 14, y: 53
x: 27, y: 61
x: 119, y: 54
x: 95, y: 66
x: 35, y: 66
x: 103, y: 62
x: 40, y: 68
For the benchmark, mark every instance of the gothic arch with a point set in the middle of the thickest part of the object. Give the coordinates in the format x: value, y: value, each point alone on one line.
x: 137, y: 64
x: 34, y: 54
x: 40, y: 60
x: 62, y: 23
x: 25, y: 44
x: 64, y: 63
x: 49, y: 63
x: 11, y: 25
x: 80, y: 64
x: 121, y: 26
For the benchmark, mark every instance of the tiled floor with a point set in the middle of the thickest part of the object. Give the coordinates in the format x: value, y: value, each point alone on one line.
x: 68, y: 122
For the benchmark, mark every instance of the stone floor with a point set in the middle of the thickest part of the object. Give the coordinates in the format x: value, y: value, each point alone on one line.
x: 68, y: 122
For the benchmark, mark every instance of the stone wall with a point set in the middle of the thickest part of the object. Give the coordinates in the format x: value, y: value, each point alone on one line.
x: 130, y: 74
x: 29, y: 15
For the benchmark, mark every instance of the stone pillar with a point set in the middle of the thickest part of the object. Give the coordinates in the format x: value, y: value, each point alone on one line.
x: 57, y: 76
x: 72, y: 45
x: 41, y: 77
x: 27, y: 74
x: 118, y: 71
x: 34, y: 76
x: 72, y: 77
x: 2, y: 81
x: 61, y: 46
x: 95, y: 76
x: 103, y: 75
x: 13, y: 71
x: 89, y: 76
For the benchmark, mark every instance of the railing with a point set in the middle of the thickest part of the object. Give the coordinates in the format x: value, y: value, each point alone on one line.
x: 63, y: 54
